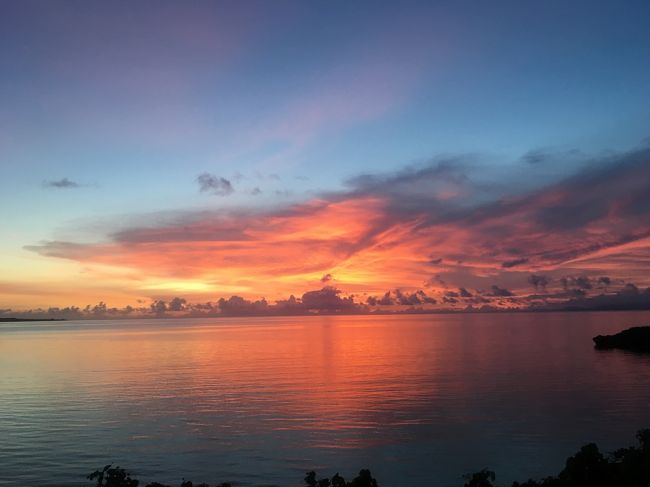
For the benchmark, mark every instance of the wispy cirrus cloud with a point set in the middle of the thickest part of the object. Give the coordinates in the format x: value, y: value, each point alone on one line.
x: 380, y: 74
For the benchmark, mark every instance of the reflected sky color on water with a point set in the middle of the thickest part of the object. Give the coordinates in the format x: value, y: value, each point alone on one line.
x: 261, y: 400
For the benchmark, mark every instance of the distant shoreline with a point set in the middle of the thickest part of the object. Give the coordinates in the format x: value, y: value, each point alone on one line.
x: 419, y: 312
x: 19, y: 320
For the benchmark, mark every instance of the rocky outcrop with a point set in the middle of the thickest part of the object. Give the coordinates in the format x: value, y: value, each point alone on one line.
x: 636, y: 339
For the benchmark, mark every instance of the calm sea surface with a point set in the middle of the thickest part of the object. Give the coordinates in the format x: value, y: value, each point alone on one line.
x: 258, y: 401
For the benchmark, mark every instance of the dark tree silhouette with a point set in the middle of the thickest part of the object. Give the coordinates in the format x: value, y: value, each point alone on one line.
x: 484, y: 478
x: 625, y: 467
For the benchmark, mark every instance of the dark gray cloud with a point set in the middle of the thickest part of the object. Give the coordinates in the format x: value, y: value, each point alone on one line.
x: 550, y: 156
x: 538, y: 282
x: 500, y: 291
x: 159, y: 307
x: 238, y: 306
x: 579, y: 282
x: 437, y: 186
x: 209, y: 183
x: 63, y: 183
x: 417, y: 298
x: 177, y: 304
x: 402, y: 298
x: 449, y: 192
x: 628, y: 298
x: 536, y: 156
x: 615, y: 182
x: 326, y: 278
x: 385, y: 300
x: 513, y: 263
x: 464, y: 293
x: 604, y: 281
x: 611, y: 191
x: 327, y: 299
x: 291, y: 305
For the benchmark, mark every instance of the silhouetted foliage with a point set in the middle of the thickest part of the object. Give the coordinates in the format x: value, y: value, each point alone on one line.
x: 484, y: 478
x: 625, y: 467
x: 111, y: 476
x: 364, y: 479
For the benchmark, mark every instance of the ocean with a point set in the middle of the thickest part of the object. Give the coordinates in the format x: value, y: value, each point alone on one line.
x: 417, y: 399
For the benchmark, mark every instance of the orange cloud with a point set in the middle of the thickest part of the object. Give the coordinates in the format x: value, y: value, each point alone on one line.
x: 429, y: 226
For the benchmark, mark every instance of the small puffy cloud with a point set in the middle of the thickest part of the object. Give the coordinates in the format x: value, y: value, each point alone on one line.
x: 177, y: 304
x: 290, y: 304
x: 538, y: 282
x: 584, y: 282
x: 500, y: 291
x: 236, y: 305
x: 434, y: 281
x: 209, y: 183
x: 630, y: 297
x: 630, y: 290
x: 327, y: 299
x: 535, y: 156
x: 385, y: 300
x: 159, y: 307
x: 464, y: 293
x: 604, y: 281
x: 64, y: 183
x: 326, y: 278
x: 399, y: 297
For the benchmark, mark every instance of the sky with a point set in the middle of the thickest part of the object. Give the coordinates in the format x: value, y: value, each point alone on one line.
x: 358, y: 156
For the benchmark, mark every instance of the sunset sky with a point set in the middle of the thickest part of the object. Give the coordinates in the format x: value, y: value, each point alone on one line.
x: 385, y: 155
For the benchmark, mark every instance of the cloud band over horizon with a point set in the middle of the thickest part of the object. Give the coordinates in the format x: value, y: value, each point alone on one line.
x: 438, y: 227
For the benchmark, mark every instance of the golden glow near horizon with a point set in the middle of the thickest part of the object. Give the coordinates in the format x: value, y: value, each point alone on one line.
x: 353, y: 244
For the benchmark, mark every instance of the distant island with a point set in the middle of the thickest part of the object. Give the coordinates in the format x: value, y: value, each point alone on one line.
x: 635, y: 339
